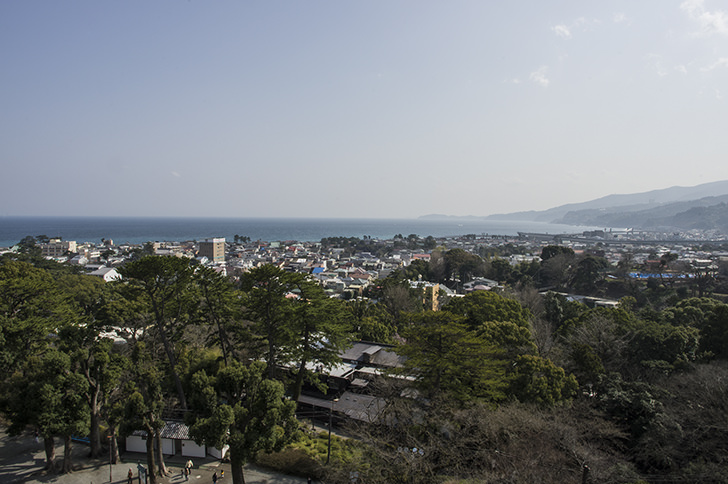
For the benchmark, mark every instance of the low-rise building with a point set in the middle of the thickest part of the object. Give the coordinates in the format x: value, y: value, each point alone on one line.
x: 108, y: 274
x: 55, y: 248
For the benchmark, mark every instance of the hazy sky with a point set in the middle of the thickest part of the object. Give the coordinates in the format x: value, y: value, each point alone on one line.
x: 337, y: 108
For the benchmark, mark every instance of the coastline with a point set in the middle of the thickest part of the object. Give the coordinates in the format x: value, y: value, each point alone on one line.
x: 138, y: 230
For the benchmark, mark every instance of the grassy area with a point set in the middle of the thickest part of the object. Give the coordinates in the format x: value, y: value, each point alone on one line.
x: 306, y: 457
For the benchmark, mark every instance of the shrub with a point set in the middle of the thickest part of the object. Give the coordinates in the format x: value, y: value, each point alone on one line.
x: 291, y: 461
x: 307, y: 456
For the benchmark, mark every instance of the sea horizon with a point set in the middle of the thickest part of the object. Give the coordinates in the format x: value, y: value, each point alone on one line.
x: 140, y: 229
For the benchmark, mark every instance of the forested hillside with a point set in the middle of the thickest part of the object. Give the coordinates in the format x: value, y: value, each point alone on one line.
x: 702, y: 207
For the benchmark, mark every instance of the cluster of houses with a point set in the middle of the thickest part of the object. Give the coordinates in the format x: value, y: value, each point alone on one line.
x: 338, y: 273
x: 346, y: 273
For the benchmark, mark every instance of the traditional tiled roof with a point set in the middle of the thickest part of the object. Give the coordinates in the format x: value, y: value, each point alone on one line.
x: 171, y: 430
x: 355, y: 406
x: 372, y: 354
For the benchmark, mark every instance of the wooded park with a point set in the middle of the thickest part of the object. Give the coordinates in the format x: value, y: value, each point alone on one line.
x: 519, y: 384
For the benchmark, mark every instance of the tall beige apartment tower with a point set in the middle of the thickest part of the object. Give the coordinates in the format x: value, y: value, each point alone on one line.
x: 213, y: 249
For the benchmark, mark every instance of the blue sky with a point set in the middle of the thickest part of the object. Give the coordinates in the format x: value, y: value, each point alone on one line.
x: 355, y: 109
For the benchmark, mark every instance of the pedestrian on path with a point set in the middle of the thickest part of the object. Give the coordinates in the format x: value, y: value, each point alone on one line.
x: 214, y: 478
x: 130, y: 476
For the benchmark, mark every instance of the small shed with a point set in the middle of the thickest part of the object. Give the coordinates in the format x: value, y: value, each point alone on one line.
x: 179, y: 433
x: 137, y: 442
x: 175, y: 440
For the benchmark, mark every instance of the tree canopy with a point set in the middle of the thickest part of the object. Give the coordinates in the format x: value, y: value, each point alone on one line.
x: 241, y: 408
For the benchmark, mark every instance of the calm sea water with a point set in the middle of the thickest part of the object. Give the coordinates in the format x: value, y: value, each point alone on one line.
x: 140, y: 230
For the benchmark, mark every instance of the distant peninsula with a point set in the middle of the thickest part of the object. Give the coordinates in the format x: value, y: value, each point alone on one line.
x: 701, y: 207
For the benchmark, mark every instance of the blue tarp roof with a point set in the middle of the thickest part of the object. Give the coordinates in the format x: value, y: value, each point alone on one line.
x: 650, y: 275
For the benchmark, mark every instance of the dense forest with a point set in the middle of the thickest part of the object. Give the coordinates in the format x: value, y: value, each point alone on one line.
x: 519, y: 384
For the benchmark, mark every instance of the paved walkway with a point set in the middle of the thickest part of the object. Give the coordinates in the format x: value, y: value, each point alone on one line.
x: 22, y: 460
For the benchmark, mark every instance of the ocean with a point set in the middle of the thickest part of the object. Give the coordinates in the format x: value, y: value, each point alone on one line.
x: 138, y: 230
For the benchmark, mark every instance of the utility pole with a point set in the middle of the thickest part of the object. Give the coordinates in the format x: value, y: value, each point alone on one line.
x: 331, y: 417
x: 110, y: 478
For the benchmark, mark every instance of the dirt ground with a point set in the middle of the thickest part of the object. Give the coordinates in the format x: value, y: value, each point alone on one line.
x: 22, y: 460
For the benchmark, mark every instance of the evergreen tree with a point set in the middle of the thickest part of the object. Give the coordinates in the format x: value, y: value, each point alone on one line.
x: 446, y: 358
x: 219, y: 308
x: 163, y: 284
x: 241, y: 408
x: 143, y: 407
x: 31, y: 309
x: 319, y: 331
x: 49, y: 396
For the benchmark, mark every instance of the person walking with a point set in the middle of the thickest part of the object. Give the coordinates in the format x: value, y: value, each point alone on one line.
x: 130, y: 476
x: 214, y: 478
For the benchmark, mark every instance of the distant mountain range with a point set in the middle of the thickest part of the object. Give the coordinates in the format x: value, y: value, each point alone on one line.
x: 703, y: 207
